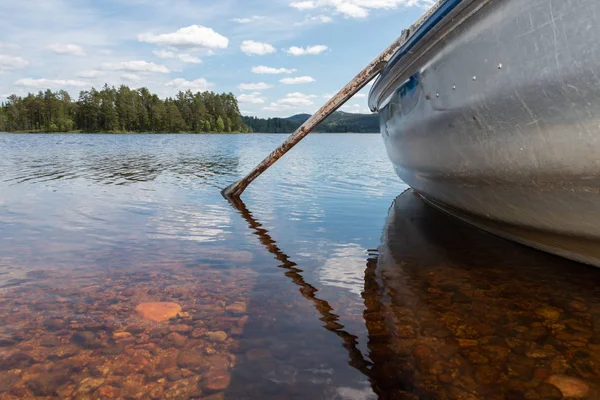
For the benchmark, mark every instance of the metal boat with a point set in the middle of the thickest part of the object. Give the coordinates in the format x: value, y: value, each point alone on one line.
x: 491, y: 112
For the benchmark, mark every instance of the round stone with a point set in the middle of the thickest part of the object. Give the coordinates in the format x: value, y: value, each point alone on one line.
x: 569, y: 386
x: 158, y: 311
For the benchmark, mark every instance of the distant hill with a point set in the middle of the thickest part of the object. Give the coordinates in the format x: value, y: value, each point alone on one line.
x: 299, y: 118
x: 338, y: 122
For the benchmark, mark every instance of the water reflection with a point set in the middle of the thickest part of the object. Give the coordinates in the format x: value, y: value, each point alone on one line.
x: 455, y: 313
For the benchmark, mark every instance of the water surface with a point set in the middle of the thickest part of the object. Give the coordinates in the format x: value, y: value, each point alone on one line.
x: 320, y: 285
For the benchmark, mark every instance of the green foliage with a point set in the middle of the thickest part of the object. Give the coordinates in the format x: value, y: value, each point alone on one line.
x: 338, y: 122
x: 122, y: 110
x: 220, y: 125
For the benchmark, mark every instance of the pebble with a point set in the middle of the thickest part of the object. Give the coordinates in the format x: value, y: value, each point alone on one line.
x: 238, y: 308
x: 158, y: 311
x: 569, y: 386
x: 192, y: 359
x: 174, y: 376
x: 176, y: 339
x: 86, y: 339
x: 46, y: 384
x: 88, y: 385
x: 216, y: 383
x: 549, y: 313
x: 217, y: 336
x: 121, y: 335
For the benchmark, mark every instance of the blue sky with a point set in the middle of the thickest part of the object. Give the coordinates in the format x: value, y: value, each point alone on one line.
x: 279, y: 57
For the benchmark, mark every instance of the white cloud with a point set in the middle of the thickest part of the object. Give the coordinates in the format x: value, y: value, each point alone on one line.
x: 352, y: 10
x: 296, y: 80
x: 10, y: 62
x: 90, y: 74
x: 261, y: 69
x: 310, y: 50
x: 359, y: 8
x: 194, y: 36
x: 251, y: 47
x: 254, y: 86
x: 360, y: 95
x: 67, y: 49
x: 136, y: 66
x: 248, y: 20
x: 291, y: 101
x: 131, y: 77
x: 303, y: 5
x: 49, y: 83
x: 253, y: 98
x: 163, y: 53
x: 198, y: 85
x: 323, y: 19
x: 186, y: 58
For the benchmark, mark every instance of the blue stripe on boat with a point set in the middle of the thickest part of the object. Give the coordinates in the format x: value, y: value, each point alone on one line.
x: 444, y: 9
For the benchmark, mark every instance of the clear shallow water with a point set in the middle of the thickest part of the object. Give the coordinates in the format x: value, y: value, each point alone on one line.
x: 285, y: 296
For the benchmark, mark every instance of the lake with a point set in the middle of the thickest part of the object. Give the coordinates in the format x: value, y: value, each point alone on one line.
x: 125, y: 274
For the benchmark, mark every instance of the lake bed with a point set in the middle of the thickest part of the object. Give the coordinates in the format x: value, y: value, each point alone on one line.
x: 125, y: 274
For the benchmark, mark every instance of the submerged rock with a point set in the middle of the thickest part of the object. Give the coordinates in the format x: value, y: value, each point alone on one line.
x: 569, y: 386
x: 218, y: 336
x: 158, y: 311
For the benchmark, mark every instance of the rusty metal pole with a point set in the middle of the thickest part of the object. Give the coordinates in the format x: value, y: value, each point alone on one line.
x: 365, y: 76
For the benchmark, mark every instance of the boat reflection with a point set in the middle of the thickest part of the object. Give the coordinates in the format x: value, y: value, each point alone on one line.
x: 453, y: 312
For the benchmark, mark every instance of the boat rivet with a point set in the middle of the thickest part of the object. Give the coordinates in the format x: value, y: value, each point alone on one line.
x: 437, y: 95
x: 454, y: 87
x: 499, y: 66
x: 474, y: 78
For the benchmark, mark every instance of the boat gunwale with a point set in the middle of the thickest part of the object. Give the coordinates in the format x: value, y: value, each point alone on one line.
x: 424, y: 31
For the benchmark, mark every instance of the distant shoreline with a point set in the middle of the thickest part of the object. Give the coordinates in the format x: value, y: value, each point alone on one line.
x: 179, y: 133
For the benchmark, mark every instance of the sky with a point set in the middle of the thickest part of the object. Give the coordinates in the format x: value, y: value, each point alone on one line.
x: 279, y: 57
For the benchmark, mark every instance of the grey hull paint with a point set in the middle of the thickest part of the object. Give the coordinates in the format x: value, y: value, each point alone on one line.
x: 495, y: 117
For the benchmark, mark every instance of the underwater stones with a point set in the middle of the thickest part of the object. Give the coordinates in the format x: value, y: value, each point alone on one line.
x: 569, y: 386
x: 549, y: 313
x: 88, y: 385
x: 54, y: 324
x: 61, y: 352
x: 544, y: 392
x: 216, y: 383
x: 191, y: 359
x: 17, y: 360
x: 217, y: 336
x: 158, y: 311
x: 86, y: 339
x: 176, y: 339
x: 174, y: 376
x: 237, y: 308
x: 46, y: 384
x: 121, y: 335
x: 7, y: 380
x: 50, y: 341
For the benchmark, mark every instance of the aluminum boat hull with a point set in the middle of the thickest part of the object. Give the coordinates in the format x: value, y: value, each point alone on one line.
x: 494, y: 116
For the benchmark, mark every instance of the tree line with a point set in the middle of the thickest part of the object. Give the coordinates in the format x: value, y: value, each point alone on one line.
x: 338, y: 122
x: 122, y: 110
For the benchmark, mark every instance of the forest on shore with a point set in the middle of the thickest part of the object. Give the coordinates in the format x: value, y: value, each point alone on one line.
x: 117, y: 110
x: 124, y: 110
